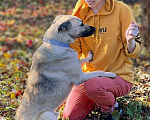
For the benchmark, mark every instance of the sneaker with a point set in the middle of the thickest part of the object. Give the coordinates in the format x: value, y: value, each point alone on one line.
x: 116, y: 112
x: 106, y: 116
x: 114, y: 115
x: 119, y: 109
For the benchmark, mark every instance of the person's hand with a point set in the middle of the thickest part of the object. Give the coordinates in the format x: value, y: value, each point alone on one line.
x: 131, y: 32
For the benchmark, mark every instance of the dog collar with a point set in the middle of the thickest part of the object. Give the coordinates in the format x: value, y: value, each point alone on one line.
x: 55, y: 42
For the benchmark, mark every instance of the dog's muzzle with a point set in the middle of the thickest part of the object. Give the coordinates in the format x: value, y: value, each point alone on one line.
x: 87, y: 32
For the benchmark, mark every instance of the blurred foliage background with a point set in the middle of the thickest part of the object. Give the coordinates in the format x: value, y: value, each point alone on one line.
x: 22, y: 26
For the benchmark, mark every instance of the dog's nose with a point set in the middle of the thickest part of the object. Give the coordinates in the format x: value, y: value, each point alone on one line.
x: 92, y: 28
x: 88, y: 31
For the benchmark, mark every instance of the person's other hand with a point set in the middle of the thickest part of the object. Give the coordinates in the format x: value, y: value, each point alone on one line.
x: 131, y: 32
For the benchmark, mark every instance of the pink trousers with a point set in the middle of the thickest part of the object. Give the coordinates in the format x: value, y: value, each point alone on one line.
x: 100, y: 91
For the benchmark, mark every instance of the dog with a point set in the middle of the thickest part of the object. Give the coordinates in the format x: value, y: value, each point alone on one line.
x: 55, y: 70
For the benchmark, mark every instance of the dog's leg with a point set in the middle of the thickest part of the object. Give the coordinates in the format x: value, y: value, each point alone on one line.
x: 86, y: 76
x: 47, y: 116
x: 87, y: 59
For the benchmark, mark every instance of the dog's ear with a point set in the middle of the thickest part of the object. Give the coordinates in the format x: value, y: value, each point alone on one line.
x: 64, y: 26
x: 56, y: 19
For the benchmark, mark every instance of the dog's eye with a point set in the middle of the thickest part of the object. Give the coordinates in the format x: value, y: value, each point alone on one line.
x: 81, y: 24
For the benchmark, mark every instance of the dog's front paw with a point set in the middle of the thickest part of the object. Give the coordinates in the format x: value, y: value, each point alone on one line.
x: 90, y: 56
x: 111, y: 75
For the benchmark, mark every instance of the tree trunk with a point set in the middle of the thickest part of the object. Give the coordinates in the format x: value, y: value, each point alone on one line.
x: 145, y: 33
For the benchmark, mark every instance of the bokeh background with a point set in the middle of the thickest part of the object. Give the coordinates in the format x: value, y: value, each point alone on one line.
x: 22, y: 26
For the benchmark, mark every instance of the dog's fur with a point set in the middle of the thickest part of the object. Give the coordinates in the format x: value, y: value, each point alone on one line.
x: 54, y: 71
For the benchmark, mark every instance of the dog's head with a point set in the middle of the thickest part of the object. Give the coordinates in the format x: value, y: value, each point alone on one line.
x: 75, y: 28
x: 68, y: 27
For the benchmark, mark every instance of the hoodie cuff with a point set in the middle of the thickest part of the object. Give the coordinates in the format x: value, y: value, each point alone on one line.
x: 136, y: 51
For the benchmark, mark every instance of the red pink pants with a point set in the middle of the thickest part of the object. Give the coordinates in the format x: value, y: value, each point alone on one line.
x: 100, y: 91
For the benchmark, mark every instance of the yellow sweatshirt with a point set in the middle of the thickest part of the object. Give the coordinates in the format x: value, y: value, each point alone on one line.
x: 108, y: 43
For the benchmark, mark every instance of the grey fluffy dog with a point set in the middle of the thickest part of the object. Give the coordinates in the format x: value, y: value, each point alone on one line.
x: 55, y: 69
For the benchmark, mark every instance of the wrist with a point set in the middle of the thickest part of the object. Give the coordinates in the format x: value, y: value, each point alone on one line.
x: 131, y: 45
x: 131, y: 41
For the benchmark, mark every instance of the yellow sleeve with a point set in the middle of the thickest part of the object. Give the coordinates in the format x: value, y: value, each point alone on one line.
x: 81, y: 9
x: 126, y: 17
x: 77, y: 46
x: 136, y: 51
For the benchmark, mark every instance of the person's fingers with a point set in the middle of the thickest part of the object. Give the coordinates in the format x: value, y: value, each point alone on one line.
x: 133, y: 33
x: 133, y: 24
x: 133, y: 28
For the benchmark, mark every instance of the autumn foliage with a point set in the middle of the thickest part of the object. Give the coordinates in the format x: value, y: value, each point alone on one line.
x: 22, y: 26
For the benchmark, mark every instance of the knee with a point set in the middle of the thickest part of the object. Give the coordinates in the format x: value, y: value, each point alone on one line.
x: 89, y: 86
x: 92, y: 87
